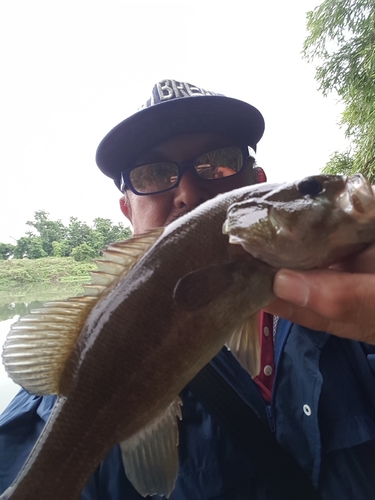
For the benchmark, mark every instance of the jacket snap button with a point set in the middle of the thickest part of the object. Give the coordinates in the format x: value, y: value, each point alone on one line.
x: 267, y: 370
x: 307, y: 410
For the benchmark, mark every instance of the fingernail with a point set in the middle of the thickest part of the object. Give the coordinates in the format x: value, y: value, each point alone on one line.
x: 292, y: 287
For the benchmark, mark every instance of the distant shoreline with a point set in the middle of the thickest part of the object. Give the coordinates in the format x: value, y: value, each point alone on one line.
x: 44, y: 270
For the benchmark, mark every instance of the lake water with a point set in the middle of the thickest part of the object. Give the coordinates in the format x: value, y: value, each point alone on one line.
x: 18, y: 301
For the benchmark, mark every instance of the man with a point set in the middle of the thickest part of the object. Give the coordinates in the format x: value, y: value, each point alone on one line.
x: 321, y: 404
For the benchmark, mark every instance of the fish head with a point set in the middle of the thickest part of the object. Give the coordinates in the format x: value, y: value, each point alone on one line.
x: 310, y: 223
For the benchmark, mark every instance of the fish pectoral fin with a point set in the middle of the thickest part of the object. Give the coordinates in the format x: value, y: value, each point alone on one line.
x: 39, y: 344
x: 150, y: 457
x: 198, y: 288
x: 244, y: 344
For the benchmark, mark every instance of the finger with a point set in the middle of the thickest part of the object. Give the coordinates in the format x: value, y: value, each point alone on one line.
x: 312, y: 320
x: 363, y: 262
x: 298, y: 314
x: 343, y: 297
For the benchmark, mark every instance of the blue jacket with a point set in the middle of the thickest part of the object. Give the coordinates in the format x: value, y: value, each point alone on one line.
x: 322, y: 410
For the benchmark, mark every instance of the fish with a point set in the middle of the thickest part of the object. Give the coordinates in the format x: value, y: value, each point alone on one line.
x: 160, y: 306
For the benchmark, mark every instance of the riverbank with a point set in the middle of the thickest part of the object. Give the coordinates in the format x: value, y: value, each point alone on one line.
x: 45, y: 270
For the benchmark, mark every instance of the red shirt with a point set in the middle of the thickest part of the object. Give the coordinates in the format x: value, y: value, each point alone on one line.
x: 266, y: 375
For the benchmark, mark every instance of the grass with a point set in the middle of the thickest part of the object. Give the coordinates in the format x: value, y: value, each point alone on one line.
x: 47, y: 270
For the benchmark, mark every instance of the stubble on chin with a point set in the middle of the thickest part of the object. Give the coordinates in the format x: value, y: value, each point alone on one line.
x: 176, y: 216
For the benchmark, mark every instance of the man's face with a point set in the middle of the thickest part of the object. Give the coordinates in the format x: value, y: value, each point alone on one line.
x: 157, y: 210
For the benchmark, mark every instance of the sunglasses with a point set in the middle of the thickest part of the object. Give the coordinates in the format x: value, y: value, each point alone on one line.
x: 161, y: 176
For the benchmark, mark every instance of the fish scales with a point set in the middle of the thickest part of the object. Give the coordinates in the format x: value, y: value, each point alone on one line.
x: 166, y: 318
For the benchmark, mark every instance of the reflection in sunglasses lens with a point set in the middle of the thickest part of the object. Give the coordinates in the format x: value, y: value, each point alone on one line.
x: 157, y: 177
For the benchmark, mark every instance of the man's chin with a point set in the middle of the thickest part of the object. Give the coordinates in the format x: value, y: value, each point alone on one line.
x: 174, y: 217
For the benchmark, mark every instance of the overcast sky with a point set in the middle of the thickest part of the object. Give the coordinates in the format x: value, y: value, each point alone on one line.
x: 72, y: 70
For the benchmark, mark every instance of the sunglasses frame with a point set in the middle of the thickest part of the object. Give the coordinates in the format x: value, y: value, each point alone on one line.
x: 182, y: 166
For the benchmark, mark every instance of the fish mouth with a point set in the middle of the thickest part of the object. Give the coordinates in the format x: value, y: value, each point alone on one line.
x: 357, y: 197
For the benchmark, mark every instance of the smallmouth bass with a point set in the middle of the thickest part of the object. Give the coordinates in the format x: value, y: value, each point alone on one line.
x: 160, y: 307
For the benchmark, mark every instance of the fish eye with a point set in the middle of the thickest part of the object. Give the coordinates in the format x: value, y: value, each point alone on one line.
x: 310, y: 186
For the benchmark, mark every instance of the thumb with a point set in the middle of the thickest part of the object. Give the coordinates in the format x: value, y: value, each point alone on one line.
x: 331, y: 294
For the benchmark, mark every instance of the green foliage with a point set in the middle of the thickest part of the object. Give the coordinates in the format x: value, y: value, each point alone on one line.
x: 340, y: 164
x: 77, y: 232
x: 61, y: 248
x: 6, y: 250
x: 49, y: 269
x: 78, y: 239
x: 49, y: 231
x: 83, y: 252
x: 111, y: 233
x: 341, y: 41
x: 104, y: 233
x: 30, y: 247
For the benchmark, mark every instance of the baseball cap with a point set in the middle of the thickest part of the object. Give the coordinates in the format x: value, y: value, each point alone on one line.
x: 176, y: 108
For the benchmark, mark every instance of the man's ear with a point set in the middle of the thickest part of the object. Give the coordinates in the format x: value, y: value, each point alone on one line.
x: 260, y: 175
x: 126, y: 208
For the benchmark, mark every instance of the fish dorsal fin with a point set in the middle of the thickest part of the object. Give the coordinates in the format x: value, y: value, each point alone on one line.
x: 245, y: 345
x: 39, y: 344
x: 150, y: 457
x: 119, y: 258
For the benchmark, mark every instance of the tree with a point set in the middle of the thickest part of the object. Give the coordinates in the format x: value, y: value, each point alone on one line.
x: 120, y: 232
x: 77, y: 232
x: 110, y: 232
x: 83, y: 252
x: 105, y: 232
x: 54, y: 239
x: 6, y: 250
x: 49, y: 231
x: 96, y: 241
x: 30, y: 247
x: 342, y: 41
x: 61, y: 248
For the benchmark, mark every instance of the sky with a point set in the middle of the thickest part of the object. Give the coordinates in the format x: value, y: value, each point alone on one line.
x: 72, y: 70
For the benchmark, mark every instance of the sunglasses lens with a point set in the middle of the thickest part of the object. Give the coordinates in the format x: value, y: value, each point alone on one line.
x: 153, y: 178
x: 219, y: 163
x: 157, y: 177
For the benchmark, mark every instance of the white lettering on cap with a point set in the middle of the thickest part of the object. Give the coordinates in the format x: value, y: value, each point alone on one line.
x: 172, y: 89
x: 165, y: 90
x: 193, y: 90
x: 180, y: 89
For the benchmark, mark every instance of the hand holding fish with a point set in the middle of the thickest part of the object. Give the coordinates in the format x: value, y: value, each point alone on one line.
x: 338, y: 300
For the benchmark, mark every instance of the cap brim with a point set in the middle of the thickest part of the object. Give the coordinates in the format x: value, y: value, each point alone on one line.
x: 121, y: 147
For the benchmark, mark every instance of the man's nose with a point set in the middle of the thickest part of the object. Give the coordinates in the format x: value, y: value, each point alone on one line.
x: 191, y: 191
